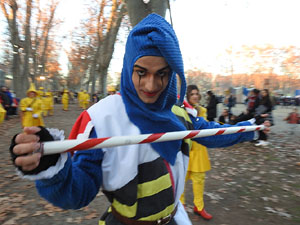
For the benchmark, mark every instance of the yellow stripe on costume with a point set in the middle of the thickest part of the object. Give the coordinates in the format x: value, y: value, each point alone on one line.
x: 181, y: 112
x: 125, y: 210
x: 167, y: 211
x: 153, y: 187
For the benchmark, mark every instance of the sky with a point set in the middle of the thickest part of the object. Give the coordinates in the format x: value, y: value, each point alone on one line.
x: 206, y: 28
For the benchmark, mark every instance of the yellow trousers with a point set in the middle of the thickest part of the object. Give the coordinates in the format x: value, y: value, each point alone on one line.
x: 198, y: 181
x: 65, y: 105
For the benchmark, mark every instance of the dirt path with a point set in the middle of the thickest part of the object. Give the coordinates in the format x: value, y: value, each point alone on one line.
x: 247, y: 185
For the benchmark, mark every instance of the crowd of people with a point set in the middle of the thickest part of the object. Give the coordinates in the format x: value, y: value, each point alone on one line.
x: 39, y: 103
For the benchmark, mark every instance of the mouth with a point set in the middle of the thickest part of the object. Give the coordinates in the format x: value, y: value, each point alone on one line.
x: 150, y: 94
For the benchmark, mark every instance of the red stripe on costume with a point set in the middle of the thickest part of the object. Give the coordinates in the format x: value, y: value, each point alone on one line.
x: 187, y: 105
x: 171, y: 176
x: 88, y: 144
x: 152, y: 138
x: 220, y: 132
x: 241, y: 130
x: 192, y: 134
x: 80, y: 125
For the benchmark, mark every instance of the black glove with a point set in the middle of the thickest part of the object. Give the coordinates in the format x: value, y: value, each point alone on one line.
x: 45, y: 161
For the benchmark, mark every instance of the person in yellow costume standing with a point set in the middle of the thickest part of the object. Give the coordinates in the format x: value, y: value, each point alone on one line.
x: 31, y: 109
x: 85, y: 100
x: 199, y: 161
x: 41, y: 95
x: 50, y: 99
x: 79, y: 98
x: 2, y: 113
x: 48, y: 104
x: 65, y: 100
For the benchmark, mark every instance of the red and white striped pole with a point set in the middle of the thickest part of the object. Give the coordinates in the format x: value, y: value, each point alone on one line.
x: 53, y: 147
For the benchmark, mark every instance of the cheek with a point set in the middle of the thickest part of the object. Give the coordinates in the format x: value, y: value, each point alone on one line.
x: 136, y: 81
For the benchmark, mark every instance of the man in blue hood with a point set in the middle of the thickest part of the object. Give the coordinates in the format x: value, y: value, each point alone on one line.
x: 143, y: 182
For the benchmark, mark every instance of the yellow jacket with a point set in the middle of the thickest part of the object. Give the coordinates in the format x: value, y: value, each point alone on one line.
x: 199, y: 158
x: 65, y: 98
x: 49, y: 100
x: 31, y: 108
x: 2, y: 113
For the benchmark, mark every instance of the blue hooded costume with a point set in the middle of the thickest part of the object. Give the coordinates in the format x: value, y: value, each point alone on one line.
x: 154, y: 36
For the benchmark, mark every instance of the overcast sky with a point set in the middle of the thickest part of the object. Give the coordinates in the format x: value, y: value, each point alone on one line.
x: 205, y: 28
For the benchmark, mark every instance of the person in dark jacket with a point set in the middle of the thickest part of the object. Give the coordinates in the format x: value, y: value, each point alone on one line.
x: 5, y: 100
x: 264, y: 112
x: 226, y: 117
x: 211, y: 106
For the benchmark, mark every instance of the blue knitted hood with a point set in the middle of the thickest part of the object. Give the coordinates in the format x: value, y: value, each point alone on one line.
x: 154, y: 36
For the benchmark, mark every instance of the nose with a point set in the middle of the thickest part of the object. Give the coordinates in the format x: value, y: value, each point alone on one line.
x: 152, y: 82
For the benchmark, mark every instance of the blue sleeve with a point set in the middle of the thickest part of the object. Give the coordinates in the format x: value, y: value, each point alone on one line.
x: 77, y: 184
x: 220, y: 140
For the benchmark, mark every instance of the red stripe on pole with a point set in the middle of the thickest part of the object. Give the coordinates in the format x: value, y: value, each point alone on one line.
x: 258, y: 128
x: 220, y: 132
x: 192, y: 134
x: 241, y: 130
x: 151, y: 138
x: 88, y: 144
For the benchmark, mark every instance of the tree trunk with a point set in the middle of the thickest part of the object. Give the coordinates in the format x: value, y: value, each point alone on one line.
x: 107, y: 47
x: 138, y: 10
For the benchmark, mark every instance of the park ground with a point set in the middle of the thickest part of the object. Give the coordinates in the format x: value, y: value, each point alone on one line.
x: 247, y: 185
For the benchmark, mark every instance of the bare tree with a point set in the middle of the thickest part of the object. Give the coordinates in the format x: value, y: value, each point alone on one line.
x: 29, y: 51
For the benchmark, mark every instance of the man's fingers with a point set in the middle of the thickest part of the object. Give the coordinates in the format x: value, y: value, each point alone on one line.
x: 31, y: 130
x: 26, y: 148
x: 30, y: 167
x: 26, y: 138
x: 28, y: 162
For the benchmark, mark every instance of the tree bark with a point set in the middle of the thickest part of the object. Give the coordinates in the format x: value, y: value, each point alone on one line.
x: 107, y: 47
x: 138, y: 10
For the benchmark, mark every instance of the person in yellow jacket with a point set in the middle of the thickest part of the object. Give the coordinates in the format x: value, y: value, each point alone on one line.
x: 41, y: 95
x: 2, y: 113
x: 199, y: 161
x: 50, y: 101
x: 31, y: 109
x: 48, y: 104
x: 79, y: 98
x: 65, y: 100
x: 85, y: 99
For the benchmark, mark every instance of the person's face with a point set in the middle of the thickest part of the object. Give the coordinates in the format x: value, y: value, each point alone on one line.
x: 225, y: 112
x: 264, y: 93
x: 31, y: 94
x: 150, y: 77
x: 194, y: 97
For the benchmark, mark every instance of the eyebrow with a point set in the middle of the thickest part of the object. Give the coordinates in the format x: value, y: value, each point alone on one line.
x: 143, y: 68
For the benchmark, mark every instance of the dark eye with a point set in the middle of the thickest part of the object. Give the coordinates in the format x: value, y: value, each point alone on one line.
x: 140, y: 72
x: 163, y: 73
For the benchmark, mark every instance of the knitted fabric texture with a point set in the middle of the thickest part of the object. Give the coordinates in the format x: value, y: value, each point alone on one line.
x: 154, y: 36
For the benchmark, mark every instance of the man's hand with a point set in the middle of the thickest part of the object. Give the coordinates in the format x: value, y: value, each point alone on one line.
x: 27, y: 142
x: 267, y: 125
